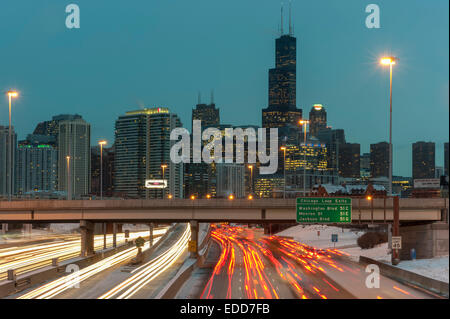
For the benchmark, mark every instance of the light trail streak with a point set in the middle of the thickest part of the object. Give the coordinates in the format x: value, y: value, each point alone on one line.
x: 32, y: 257
x: 150, y: 270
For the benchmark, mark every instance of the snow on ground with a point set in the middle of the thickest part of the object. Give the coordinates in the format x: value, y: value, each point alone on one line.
x: 436, y: 268
x: 64, y: 228
x: 307, y: 234
x: 379, y: 252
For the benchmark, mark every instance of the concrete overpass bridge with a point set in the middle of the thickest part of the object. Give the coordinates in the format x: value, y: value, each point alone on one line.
x: 207, y: 210
x: 262, y: 211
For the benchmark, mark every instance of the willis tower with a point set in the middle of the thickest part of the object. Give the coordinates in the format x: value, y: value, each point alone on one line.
x: 282, y: 112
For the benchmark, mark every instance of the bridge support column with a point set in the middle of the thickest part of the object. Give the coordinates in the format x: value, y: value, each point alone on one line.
x: 87, y: 238
x: 4, y: 228
x: 151, y: 225
x: 193, y: 245
x: 104, y: 235
x: 114, y: 235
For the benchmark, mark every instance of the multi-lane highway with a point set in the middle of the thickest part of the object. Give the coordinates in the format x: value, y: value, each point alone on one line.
x: 31, y: 257
x: 275, y: 267
x: 105, y: 280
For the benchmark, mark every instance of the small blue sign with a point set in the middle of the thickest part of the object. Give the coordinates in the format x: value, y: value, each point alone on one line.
x: 334, y: 238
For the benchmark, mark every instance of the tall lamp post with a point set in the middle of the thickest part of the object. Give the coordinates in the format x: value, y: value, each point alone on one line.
x: 251, y: 178
x: 10, y: 94
x: 390, y: 61
x: 163, y: 167
x: 69, y: 179
x: 304, y: 123
x: 283, y: 148
x: 101, y: 143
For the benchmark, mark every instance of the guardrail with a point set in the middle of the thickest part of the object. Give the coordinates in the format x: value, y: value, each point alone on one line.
x: 409, y: 277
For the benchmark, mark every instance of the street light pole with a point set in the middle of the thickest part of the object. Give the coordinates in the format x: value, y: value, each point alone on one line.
x: 163, y: 166
x: 69, y: 177
x: 304, y: 123
x: 251, y: 178
x: 101, y: 167
x: 283, y: 148
x: 390, y: 61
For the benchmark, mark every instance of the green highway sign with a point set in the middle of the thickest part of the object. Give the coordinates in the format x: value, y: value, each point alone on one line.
x: 324, y: 210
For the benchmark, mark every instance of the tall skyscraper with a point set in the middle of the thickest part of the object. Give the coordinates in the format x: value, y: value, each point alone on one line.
x: 198, y: 176
x: 142, y: 145
x: 37, y: 164
x: 317, y: 119
x: 446, y: 159
x: 74, y: 140
x: 332, y: 138
x: 230, y: 180
x: 4, y: 155
x: 207, y: 113
x: 423, y: 156
x: 282, y: 109
x: 349, y: 160
x: 379, y: 159
x: 51, y: 128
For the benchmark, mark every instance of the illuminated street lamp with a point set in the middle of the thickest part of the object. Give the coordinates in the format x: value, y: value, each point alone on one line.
x: 101, y: 143
x: 11, y: 94
x: 251, y: 178
x: 231, y: 197
x: 304, y: 123
x: 390, y: 61
x: 163, y: 166
x: 192, y: 197
x: 69, y: 177
x: 283, y: 148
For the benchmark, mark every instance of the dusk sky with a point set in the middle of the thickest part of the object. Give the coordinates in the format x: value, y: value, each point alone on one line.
x: 131, y: 54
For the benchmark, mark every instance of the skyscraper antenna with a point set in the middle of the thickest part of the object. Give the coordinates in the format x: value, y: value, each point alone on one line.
x: 290, y: 22
x: 282, y: 18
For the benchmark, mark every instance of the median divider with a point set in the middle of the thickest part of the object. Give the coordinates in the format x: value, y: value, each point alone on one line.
x: 173, y: 286
x: 408, y: 277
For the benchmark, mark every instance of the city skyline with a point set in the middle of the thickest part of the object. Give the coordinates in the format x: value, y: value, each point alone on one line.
x: 322, y: 75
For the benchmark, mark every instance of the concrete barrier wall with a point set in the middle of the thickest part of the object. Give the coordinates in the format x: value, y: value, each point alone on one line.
x: 175, y: 284
x: 406, y: 276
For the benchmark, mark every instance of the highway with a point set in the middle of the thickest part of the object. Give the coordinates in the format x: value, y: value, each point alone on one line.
x: 31, y: 257
x: 106, y: 280
x: 275, y: 267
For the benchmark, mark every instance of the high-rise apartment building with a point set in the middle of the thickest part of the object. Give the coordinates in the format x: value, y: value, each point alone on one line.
x: 7, y: 171
x: 37, y: 164
x: 379, y: 159
x: 423, y: 158
x: 142, y: 146
x: 332, y: 138
x: 74, y: 154
x: 349, y: 160
x: 317, y: 119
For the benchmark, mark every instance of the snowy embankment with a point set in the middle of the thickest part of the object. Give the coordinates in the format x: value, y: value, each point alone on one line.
x: 436, y: 268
